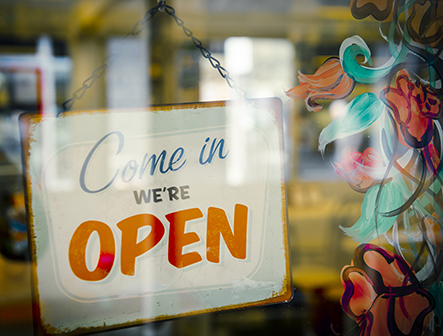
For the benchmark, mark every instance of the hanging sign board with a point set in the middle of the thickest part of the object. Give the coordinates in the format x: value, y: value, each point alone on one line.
x: 141, y: 215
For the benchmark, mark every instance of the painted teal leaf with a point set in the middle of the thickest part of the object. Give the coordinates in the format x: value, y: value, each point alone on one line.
x: 355, y: 46
x: 358, y: 115
x: 366, y: 228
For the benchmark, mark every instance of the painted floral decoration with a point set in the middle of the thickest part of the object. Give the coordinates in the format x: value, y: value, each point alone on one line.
x: 424, y: 17
x: 413, y: 105
x: 361, y: 170
x: 379, y: 9
x: 400, y: 172
x: 383, y: 294
x: 425, y: 22
x: 328, y: 82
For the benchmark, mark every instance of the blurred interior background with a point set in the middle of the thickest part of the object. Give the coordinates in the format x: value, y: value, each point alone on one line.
x: 48, y: 48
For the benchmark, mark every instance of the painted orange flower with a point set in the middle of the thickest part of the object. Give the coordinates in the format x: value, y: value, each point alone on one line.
x: 383, y: 295
x: 413, y: 105
x: 361, y: 170
x: 329, y: 82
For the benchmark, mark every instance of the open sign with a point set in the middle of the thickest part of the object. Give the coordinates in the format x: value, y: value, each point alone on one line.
x: 140, y: 215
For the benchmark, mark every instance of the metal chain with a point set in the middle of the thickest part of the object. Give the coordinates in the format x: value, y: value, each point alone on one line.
x: 107, y: 61
x: 139, y: 27
x: 215, y: 63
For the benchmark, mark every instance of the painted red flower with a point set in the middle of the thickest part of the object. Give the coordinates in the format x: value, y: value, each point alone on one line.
x: 383, y: 294
x: 413, y: 105
x: 329, y: 82
x: 361, y: 170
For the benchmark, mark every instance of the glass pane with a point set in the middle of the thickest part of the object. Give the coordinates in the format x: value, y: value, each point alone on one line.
x: 360, y: 85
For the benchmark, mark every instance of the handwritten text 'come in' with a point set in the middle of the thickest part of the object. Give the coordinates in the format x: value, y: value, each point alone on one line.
x: 149, y: 164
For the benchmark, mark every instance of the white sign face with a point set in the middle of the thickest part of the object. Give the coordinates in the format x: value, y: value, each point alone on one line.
x: 140, y: 215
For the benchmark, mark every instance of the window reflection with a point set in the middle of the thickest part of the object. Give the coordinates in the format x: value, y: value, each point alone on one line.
x: 56, y: 46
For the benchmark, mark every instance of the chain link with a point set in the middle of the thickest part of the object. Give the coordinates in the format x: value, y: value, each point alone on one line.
x: 137, y: 29
x: 215, y: 63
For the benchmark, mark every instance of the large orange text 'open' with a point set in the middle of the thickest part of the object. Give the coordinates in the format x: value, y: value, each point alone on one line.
x: 217, y: 226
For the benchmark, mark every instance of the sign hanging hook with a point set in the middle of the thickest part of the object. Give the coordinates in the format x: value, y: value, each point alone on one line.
x: 161, y: 5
